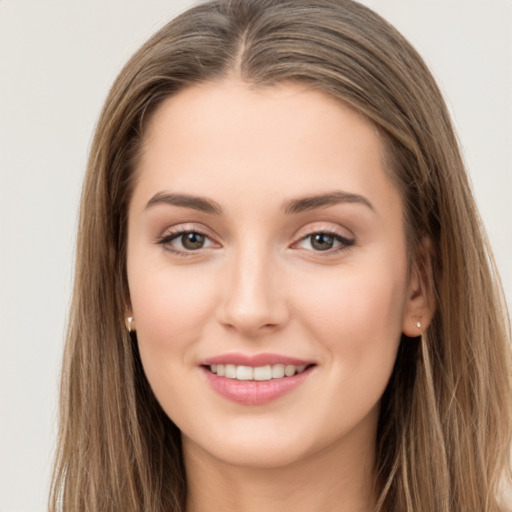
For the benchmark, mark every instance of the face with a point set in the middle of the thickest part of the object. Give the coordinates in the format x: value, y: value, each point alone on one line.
x: 267, y: 271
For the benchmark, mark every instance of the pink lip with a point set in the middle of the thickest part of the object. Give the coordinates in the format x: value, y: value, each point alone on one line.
x: 265, y: 359
x: 252, y: 392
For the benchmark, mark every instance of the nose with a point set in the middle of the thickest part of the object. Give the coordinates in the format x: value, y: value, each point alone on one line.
x: 254, y: 300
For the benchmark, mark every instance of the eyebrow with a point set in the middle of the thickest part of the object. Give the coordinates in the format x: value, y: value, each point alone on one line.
x: 304, y: 204
x: 293, y: 206
x: 201, y: 204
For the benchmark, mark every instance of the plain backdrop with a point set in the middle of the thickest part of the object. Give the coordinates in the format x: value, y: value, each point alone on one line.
x: 57, y: 61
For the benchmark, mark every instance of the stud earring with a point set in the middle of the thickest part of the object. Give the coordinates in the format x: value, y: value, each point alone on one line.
x: 418, y: 325
x: 129, y: 321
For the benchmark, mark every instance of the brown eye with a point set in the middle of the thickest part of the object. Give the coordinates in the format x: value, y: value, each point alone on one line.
x: 185, y: 243
x: 325, y: 241
x: 192, y: 241
x: 322, y: 241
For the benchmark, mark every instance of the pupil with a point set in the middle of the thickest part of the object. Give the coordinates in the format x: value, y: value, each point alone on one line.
x: 192, y: 241
x: 322, y: 242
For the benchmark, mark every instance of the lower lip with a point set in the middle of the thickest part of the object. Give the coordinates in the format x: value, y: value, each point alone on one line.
x: 255, y: 392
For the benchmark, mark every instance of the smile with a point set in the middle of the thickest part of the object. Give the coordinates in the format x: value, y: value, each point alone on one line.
x: 255, y: 379
x: 258, y: 373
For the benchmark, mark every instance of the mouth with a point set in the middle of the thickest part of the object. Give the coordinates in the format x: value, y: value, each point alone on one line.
x: 257, y: 373
x: 256, y: 379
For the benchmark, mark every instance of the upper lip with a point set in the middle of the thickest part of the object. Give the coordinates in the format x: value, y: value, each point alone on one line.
x: 254, y: 360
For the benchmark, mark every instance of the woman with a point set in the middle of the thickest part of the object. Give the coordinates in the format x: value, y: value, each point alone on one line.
x: 284, y: 297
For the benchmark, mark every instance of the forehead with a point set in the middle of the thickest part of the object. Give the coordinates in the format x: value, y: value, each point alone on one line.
x: 286, y: 112
x: 233, y: 140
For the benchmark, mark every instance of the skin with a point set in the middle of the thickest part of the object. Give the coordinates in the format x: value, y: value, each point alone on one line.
x: 259, y: 284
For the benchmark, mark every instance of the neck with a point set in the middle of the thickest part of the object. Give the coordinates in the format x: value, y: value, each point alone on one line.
x: 339, y: 478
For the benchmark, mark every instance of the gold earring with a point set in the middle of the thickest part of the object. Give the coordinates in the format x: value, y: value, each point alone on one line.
x: 129, y: 321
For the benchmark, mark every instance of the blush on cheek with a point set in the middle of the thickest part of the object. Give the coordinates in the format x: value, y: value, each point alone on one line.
x: 355, y: 310
x: 170, y: 307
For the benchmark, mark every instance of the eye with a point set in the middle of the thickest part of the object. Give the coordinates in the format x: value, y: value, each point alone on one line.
x: 183, y: 242
x: 322, y: 241
x: 192, y: 241
x: 325, y: 241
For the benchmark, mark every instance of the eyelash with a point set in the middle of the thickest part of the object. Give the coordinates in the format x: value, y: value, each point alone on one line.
x: 345, y: 243
x: 167, y: 239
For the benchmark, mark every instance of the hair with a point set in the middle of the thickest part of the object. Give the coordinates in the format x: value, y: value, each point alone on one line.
x: 444, y: 432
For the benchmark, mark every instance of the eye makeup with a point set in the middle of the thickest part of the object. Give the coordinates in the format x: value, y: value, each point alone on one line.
x: 192, y: 241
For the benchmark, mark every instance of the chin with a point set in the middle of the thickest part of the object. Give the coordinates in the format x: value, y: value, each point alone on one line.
x: 248, y: 454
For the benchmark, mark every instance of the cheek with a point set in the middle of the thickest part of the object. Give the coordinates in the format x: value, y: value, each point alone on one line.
x: 170, y: 306
x: 357, y: 312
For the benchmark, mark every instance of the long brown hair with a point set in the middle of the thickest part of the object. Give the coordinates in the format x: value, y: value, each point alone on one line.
x: 445, y: 427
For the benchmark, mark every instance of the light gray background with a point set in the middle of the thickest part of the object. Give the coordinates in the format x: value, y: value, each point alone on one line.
x: 57, y: 61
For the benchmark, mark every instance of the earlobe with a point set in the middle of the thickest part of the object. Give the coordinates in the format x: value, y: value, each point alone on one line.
x: 129, y: 319
x: 130, y: 322
x: 412, y: 328
x: 419, y: 307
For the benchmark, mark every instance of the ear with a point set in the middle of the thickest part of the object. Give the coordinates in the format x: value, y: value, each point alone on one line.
x: 420, y: 304
x: 124, y: 292
x: 129, y: 321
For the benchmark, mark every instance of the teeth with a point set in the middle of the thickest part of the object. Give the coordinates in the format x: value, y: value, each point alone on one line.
x: 263, y: 372
x: 230, y: 371
x: 289, y: 370
x: 276, y: 371
x: 244, y: 373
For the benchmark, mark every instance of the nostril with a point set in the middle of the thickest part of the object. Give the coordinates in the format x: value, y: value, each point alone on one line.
x: 251, y: 324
